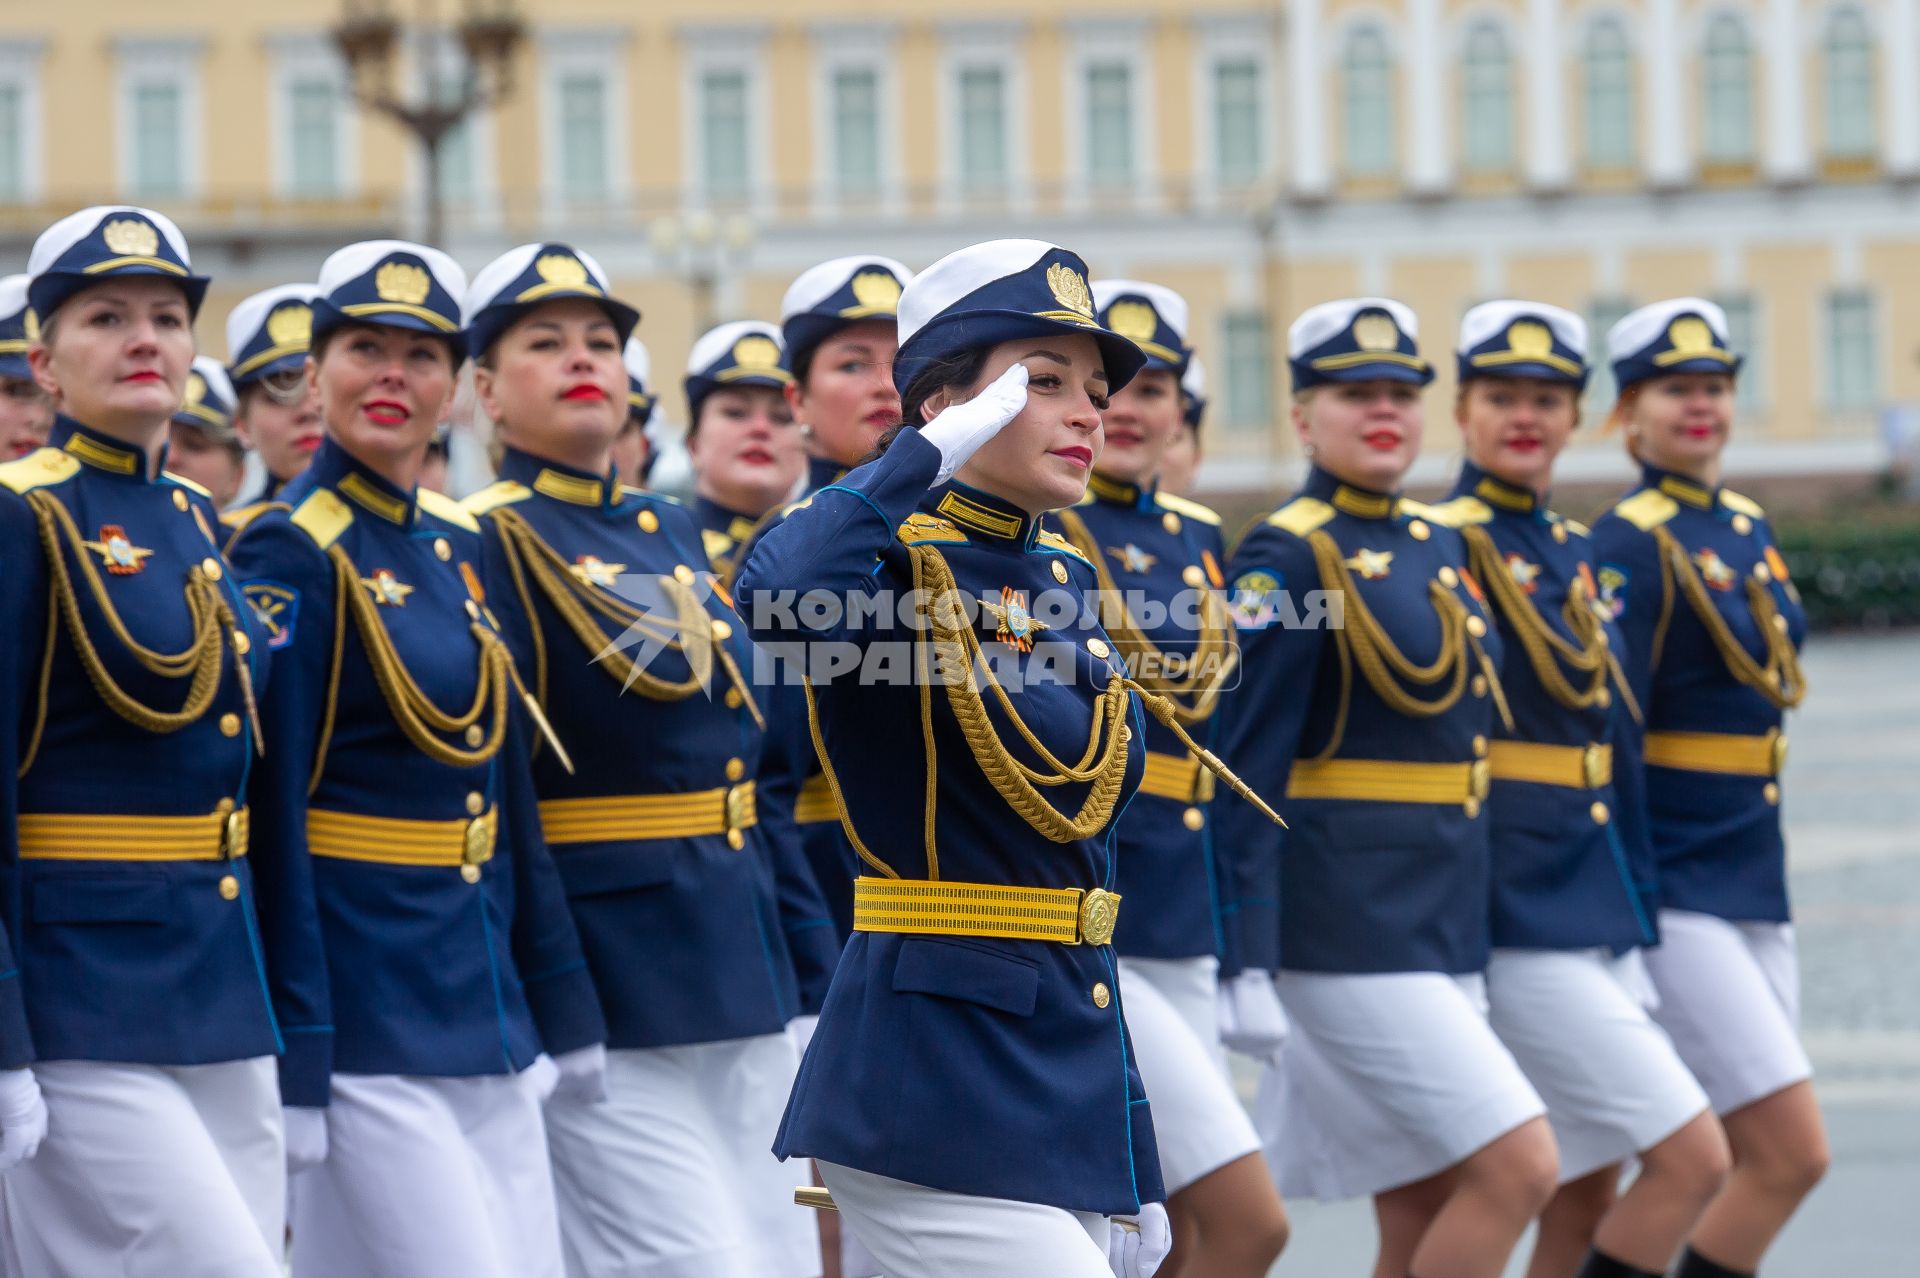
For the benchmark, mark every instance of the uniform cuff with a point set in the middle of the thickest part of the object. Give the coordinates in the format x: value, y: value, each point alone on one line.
x: 306, y: 1067
x: 1253, y: 938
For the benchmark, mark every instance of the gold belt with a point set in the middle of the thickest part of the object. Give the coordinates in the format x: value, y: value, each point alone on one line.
x: 1070, y: 916
x: 220, y: 835
x: 1391, y: 781
x: 1722, y: 752
x: 729, y: 810
x: 351, y: 836
x: 815, y: 801
x: 1177, y: 776
x: 1578, y: 767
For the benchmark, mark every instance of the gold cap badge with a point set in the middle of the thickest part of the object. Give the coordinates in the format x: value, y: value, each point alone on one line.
x: 1530, y: 339
x: 1691, y: 336
x: 1134, y: 321
x: 402, y: 282
x: 756, y: 352
x: 196, y: 389
x: 877, y: 292
x: 131, y: 238
x: 561, y: 270
x: 290, y: 326
x: 1069, y: 289
x: 1376, y: 332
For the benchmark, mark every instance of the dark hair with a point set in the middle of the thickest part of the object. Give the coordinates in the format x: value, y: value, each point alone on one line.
x: 960, y: 370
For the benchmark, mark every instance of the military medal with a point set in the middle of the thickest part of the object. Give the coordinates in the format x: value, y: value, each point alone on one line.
x: 117, y: 551
x: 1132, y: 558
x: 1525, y: 575
x: 593, y: 571
x: 387, y: 588
x: 1371, y: 564
x: 1017, y: 626
x: 1714, y: 570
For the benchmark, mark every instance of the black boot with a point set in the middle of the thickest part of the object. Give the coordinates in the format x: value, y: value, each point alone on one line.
x: 1695, y: 1265
x: 1599, y: 1264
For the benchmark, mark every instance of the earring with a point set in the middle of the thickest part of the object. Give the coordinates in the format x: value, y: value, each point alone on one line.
x: 806, y: 430
x: 1308, y: 449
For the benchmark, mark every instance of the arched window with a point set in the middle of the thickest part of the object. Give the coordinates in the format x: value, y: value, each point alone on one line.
x: 1728, y: 81
x: 1367, y: 96
x: 1606, y: 66
x: 1847, y: 54
x: 1486, y: 83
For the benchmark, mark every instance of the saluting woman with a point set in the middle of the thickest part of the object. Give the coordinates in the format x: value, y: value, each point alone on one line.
x: 399, y: 777
x: 1375, y: 721
x: 1565, y: 980
x: 1157, y: 559
x: 1691, y: 573
x: 604, y: 598
x: 151, y: 965
x: 970, y: 1096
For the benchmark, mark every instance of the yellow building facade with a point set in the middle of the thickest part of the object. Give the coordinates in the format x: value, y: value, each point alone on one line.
x: 1257, y: 157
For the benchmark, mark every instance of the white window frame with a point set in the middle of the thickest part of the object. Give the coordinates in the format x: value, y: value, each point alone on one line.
x: 1819, y: 32
x: 1222, y: 410
x: 483, y: 212
x: 1000, y: 46
x: 174, y: 60
x: 707, y: 49
x: 1577, y: 53
x: 569, y: 51
x: 1750, y: 385
x: 20, y: 69
x: 1756, y: 140
x: 1222, y: 38
x: 1468, y: 25
x: 857, y: 46
x: 297, y: 58
x: 1339, y: 34
x: 1876, y: 306
x: 1102, y: 41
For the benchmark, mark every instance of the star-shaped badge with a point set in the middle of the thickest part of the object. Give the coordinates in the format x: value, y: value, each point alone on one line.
x: 1714, y: 570
x: 1371, y: 564
x: 1016, y: 626
x: 387, y: 588
x: 1132, y: 558
x: 1525, y: 574
x: 593, y: 571
x: 117, y: 551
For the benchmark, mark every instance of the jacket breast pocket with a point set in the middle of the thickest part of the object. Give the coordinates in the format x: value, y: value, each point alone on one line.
x: 87, y: 899
x: 970, y: 973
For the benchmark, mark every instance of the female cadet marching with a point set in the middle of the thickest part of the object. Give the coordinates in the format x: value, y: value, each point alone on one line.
x: 741, y: 439
x: 277, y: 412
x: 1713, y: 625
x: 151, y: 964
x: 655, y: 827
x: 26, y: 411
x: 1374, y: 721
x: 1567, y: 834
x: 633, y: 455
x: 399, y: 776
x: 1153, y: 552
x: 1182, y: 462
x: 970, y: 1095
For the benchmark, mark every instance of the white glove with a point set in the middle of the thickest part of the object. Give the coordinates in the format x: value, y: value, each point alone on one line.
x: 1251, y: 1018
x: 541, y: 1078
x: 800, y: 1033
x: 583, y: 1074
x: 960, y: 429
x: 1137, y: 1244
x: 23, y: 1117
x: 306, y: 1136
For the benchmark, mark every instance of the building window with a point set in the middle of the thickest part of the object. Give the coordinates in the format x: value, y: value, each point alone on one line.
x: 1248, y: 398
x: 723, y: 132
x: 1607, y: 69
x: 1367, y: 92
x: 1487, y: 85
x: 1109, y: 123
x: 1743, y: 339
x: 583, y: 136
x: 1849, y: 70
x: 1729, y: 92
x: 159, y: 140
x: 314, y: 137
x: 13, y: 143
x: 1238, y: 157
x: 856, y: 130
x: 983, y: 129
x: 1851, y: 363
x: 1602, y: 390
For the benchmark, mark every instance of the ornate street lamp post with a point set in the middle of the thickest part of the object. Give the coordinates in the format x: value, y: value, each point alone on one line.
x: 486, y: 34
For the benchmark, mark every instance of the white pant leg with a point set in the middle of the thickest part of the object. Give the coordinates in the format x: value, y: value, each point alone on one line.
x: 916, y: 1232
x: 152, y: 1172
x: 674, y: 1176
x: 429, y: 1178
x: 1198, y: 1122
x: 1730, y: 999
x: 1611, y: 1079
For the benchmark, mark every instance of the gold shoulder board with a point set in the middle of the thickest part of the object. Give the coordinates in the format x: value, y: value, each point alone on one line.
x: 38, y: 469
x: 1741, y: 504
x: 1647, y: 509
x: 1054, y: 541
x: 443, y: 507
x: 1461, y: 512
x: 920, y: 529
x: 187, y: 484
x: 1577, y: 528
x: 1301, y: 515
x: 323, y: 517
x: 494, y: 496
x: 1189, y: 509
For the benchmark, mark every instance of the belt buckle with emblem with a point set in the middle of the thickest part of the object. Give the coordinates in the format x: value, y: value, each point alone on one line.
x: 476, y: 848
x: 1099, y: 911
x: 736, y: 816
x: 1593, y: 766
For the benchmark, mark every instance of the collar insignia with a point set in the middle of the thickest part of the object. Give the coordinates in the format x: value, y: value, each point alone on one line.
x: 117, y: 551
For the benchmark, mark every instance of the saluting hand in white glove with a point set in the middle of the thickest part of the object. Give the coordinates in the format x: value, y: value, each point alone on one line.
x: 1137, y: 1244
x: 23, y: 1117
x: 960, y: 429
x: 306, y: 1128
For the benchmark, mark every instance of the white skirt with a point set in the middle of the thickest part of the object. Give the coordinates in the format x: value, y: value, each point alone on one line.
x: 149, y: 1169
x: 1730, y: 999
x: 430, y: 1178
x: 673, y: 1175
x: 1384, y: 1079
x: 917, y: 1232
x: 1612, y: 1082
x: 1172, y: 1018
